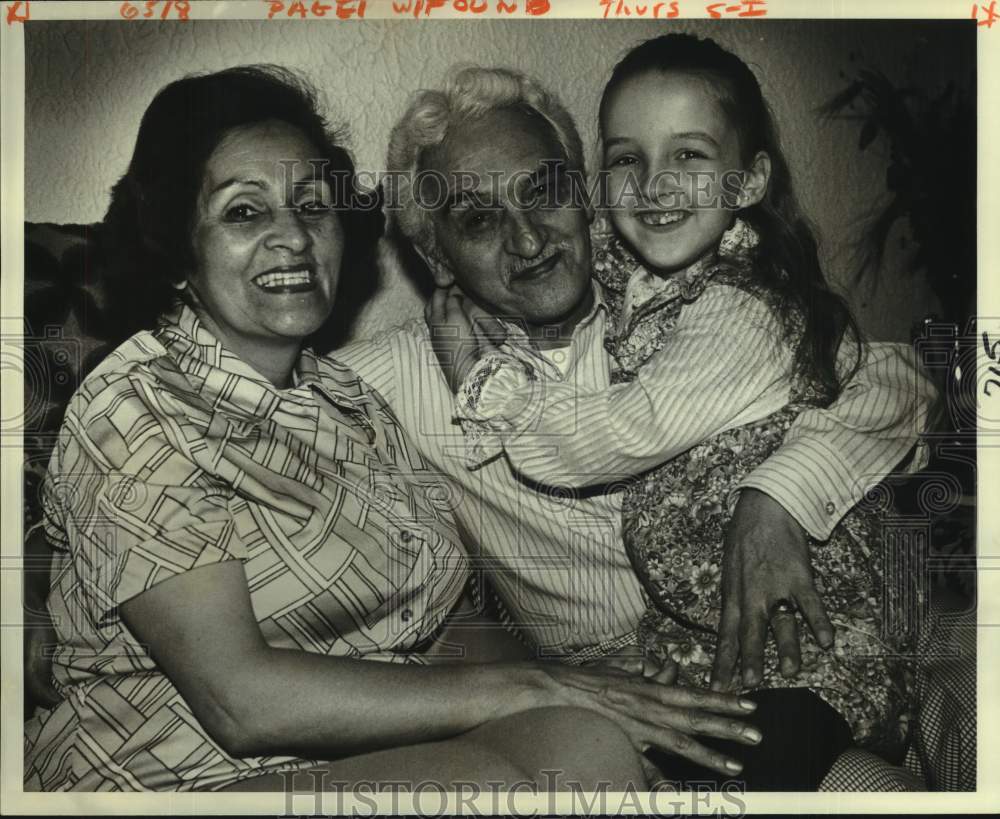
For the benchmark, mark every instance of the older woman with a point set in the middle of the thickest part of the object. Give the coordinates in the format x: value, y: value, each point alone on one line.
x: 242, y: 526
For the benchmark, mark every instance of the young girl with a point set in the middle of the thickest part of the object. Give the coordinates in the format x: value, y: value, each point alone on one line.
x: 722, y: 331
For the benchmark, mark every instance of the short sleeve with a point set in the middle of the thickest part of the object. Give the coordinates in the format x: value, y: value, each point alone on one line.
x: 130, y: 497
x: 158, y: 533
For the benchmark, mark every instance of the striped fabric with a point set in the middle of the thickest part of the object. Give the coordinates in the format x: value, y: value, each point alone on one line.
x: 556, y: 555
x: 175, y: 454
x: 858, y: 770
x: 944, y: 746
x: 555, y: 558
x: 725, y: 366
x: 942, y: 756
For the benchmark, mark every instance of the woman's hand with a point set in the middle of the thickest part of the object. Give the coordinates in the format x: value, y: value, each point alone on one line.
x: 39, y: 640
x: 200, y: 629
x: 461, y: 333
x: 766, y: 560
x: 39, y: 634
x: 656, y: 715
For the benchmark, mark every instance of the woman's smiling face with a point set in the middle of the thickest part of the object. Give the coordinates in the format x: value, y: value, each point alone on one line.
x: 267, y: 245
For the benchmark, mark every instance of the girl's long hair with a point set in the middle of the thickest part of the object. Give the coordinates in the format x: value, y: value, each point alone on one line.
x: 787, y: 261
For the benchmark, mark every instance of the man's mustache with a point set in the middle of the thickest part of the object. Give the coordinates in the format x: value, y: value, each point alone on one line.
x: 520, y: 265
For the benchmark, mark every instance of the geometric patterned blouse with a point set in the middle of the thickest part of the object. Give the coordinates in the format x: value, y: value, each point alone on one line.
x: 175, y: 454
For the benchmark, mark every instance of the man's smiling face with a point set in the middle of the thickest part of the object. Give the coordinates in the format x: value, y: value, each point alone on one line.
x: 504, y: 240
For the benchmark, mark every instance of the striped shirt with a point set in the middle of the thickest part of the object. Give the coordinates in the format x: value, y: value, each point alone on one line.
x: 174, y: 454
x: 555, y: 552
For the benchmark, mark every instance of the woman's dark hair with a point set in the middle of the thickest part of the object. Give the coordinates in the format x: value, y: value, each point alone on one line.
x: 787, y: 262
x: 147, y: 231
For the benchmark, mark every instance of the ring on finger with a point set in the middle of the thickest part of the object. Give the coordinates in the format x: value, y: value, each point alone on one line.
x: 781, y: 607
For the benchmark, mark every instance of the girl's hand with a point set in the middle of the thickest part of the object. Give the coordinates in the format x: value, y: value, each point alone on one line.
x: 631, y: 659
x: 655, y: 715
x: 461, y: 333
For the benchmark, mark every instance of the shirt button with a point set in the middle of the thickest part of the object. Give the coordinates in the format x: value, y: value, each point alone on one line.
x: 830, y: 507
x: 405, y: 536
x: 405, y: 615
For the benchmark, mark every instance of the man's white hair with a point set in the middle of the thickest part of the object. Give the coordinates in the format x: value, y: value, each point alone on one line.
x: 470, y: 93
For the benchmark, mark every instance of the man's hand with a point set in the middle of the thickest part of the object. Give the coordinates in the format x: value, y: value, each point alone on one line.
x: 461, y: 333
x: 766, y: 560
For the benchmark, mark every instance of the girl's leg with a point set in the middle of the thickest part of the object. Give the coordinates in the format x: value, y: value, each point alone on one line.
x: 578, y: 748
x: 803, y: 736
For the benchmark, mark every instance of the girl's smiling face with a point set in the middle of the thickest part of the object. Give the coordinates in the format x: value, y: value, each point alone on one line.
x: 674, y: 163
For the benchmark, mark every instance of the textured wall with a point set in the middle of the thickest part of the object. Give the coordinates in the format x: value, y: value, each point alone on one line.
x: 88, y: 83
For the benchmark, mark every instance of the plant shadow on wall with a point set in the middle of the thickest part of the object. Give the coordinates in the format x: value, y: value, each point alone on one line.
x: 930, y: 190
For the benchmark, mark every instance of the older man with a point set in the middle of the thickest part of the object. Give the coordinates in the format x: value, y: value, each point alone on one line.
x: 556, y: 560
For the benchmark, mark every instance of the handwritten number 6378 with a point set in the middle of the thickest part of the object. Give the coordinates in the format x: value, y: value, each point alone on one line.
x: 993, y: 353
x: 180, y: 8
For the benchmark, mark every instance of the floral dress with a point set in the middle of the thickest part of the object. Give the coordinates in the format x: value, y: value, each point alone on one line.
x: 675, y: 517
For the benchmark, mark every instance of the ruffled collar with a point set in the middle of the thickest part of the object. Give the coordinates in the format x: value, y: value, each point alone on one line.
x: 615, y: 264
x: 643, y: 308
x: 617, y: 268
